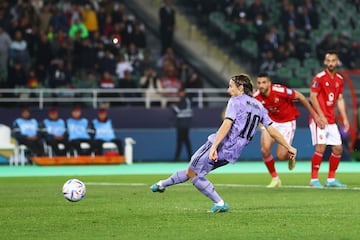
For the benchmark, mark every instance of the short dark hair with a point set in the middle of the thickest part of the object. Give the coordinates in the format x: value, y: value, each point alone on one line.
x: 331, y: 51
x: 263, y: 74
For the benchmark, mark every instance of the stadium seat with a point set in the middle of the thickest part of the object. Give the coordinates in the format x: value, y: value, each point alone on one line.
x: 250, y: 47
x: 293, y: 63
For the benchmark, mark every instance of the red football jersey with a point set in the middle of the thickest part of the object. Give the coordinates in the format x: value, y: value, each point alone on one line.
x: 328, y: 89
x: 279, y: 103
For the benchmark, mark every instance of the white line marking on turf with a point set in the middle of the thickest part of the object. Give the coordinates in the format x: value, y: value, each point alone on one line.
x: 222, y: 185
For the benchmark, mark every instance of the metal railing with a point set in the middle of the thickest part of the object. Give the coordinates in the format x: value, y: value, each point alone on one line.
x: 95, y: 96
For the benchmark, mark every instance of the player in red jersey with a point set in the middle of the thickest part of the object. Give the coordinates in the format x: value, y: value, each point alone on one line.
x: 279, y: 101
x: 326, y: 92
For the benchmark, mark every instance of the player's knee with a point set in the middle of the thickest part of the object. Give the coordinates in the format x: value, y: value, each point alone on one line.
x: 190, y: 173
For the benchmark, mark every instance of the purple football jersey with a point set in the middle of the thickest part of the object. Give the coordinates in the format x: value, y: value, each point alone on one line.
x: 246, y: 113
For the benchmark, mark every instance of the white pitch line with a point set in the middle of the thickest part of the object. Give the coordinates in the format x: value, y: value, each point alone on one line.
x: 221, y: 185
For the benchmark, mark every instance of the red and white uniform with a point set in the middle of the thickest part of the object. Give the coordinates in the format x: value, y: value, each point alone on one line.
x: 279, y: 103
x: 281, y: 108
x: 328, y: 89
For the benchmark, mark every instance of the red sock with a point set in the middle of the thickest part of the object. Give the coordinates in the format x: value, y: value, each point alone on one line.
x: 315, y: 164
x: 270, y: 164
x: 334, y: 161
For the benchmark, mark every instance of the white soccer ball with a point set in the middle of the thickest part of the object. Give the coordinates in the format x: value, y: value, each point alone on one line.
x: 74, y: 190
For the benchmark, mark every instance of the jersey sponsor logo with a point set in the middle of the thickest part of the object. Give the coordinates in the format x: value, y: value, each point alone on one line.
x: 278, y: 89
x: 289, y: 91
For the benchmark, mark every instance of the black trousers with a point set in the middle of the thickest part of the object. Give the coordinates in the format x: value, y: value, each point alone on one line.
x: 35, y: 147
x: 181, y: 139
x: 75, y: 145
x: 55, y: 143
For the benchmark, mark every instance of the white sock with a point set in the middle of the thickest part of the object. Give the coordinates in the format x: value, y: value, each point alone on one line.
x: 220, y: 203
x: 331, y: 179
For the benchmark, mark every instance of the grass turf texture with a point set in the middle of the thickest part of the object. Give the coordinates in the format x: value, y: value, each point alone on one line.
x: 123, y: 207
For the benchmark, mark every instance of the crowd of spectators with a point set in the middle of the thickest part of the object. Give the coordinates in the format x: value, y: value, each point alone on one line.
x: 287, y: 29
x: 81, y: 44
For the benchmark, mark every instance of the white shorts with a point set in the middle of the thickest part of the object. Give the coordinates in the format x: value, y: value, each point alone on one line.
x: 287, y: 129
x: 330, y: 135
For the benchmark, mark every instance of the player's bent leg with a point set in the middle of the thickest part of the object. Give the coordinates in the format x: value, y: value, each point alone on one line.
x: 175, y: 178
x: 207, y: 188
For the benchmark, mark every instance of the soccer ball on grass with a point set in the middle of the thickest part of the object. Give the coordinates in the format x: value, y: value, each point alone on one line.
x: 74, y: 190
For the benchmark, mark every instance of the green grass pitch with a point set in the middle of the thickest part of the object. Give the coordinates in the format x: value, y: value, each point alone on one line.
x: 123, y: 207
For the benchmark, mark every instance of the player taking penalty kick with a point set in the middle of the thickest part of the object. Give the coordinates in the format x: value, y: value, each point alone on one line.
x: 242, y: 116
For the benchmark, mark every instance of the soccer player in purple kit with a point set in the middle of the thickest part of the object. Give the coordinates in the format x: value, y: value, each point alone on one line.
x: 242, y: 117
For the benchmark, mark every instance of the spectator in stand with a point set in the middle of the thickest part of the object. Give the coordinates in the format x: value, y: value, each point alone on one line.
x: 289, y: 16
x: 127, y: 29
x: 170, y: 82
x: 128, y: 82
x: 122, y: 65
x: 79, y: 131
x: 59, y: 20
x: 104, y: 132
x: 281, y: 55
x: 59, y: 76
x: 108, y: 27
x: 151, y: 83
x: 19, y: 51
x: 238, y: 10
x: 257, y: 8
x: 78, y: 27
x: 107, y: 62
x: 169, y: 58
x: 268, y: 63
x: 139, y: 37
x: 343, y: 48
x: 88, y: 60
x: 117, y: 13
x: 43, y: 57
x: 55, y: 133
x: 16, y: 75
x: 266, y: 44
x: 107, y: 82
x: 101, y: 16
x: 5, y: 43
x: 307, y: 20
x: 244, y: 25
x: 167, y: 25
x: 303, y: 48
x: 90, y: 19
x: 291, y: 34
x: 45, y: 15
x: 26, y: 131
x: 134, y: 55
